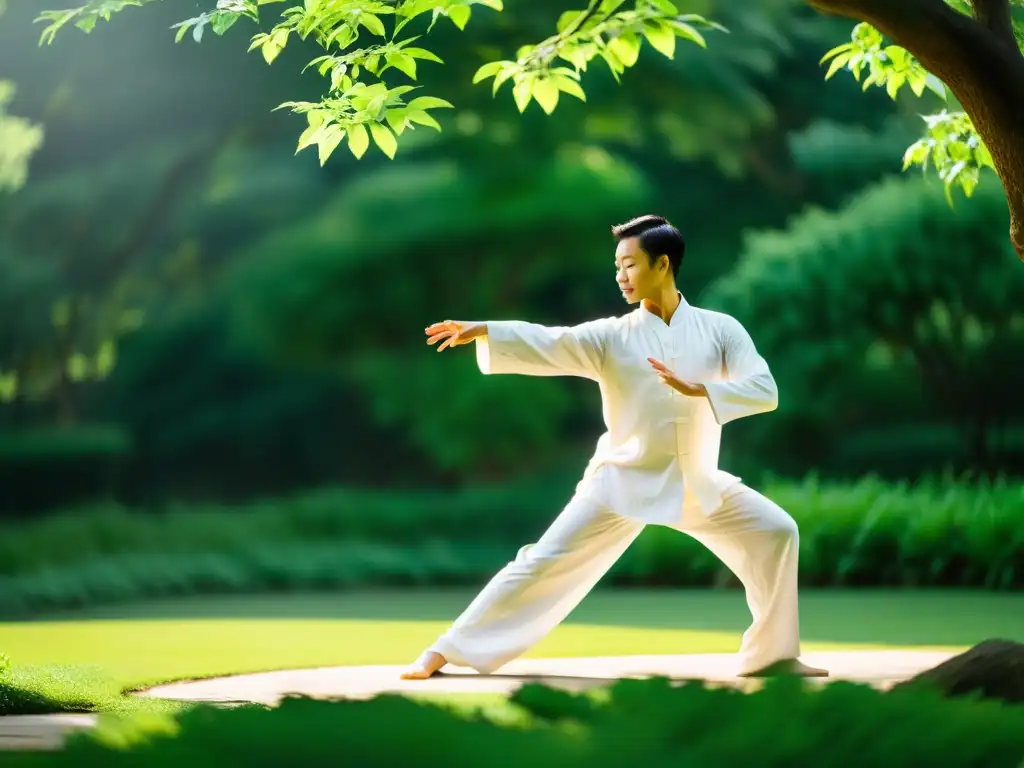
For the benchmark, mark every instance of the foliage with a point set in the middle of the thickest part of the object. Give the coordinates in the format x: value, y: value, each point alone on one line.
x: 651, y: 721
x: 19, y: 140
x: 45, y: 467
x: 866, y: 534
x: 951, y: 142
x: 359, y: 110
x: 845, y: 301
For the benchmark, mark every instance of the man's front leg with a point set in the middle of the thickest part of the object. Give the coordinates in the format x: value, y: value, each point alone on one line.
x: 531, y: 595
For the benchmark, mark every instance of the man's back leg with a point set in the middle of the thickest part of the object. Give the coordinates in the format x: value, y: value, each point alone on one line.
x: 759, y: 542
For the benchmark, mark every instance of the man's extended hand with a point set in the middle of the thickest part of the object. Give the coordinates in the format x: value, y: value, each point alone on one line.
x: 454, y: 332
x: 680, y: 386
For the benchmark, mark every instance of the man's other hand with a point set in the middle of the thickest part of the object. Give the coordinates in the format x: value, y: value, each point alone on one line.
x: 680, y: 386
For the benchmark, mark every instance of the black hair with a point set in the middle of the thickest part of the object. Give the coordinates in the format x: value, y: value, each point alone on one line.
x: 657, y: 237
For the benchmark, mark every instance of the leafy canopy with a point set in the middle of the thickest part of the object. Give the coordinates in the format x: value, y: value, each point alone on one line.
x: 361, y: 40
x: 358, y: 48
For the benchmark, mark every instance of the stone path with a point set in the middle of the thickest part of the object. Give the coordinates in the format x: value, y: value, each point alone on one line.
x: 31, y: 732
x: 879, y: 668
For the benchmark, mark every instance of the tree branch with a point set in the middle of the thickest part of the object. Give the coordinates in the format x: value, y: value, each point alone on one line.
x: 996, y: 17
x: 985, y: 75
x: 161, y: 206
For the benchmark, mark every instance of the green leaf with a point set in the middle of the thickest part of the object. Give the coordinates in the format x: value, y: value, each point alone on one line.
x: 567, y: 18
x: 521, y: 93
x: 339, y: 81
x: 86, y: 23
x: 626, y: 48
x: 917, y: 78
x: 358, y: 139
x: 429, y: 102
x: 935, y: 85
x: 488, y: 70
x: 222, y: 22
x: 844, y: 48
x: 613, y: 63
x: 372, y: 23
x: 274, y: 45
x: 376, y: 106
x: 309, y: 136
x: 500, y: 78
x: 459, y: 15
x: 397, y: 118
x: 421, y: 117
x: 329, y: 141
x: 423, y: 53
x: 661, y: 38
x: 894, y: 83
x: 570, y: 86
x: 406, y: 64
x: 384, y: 139
x: 546, y: 93
x: 837, y: 63
x: 690, y: 33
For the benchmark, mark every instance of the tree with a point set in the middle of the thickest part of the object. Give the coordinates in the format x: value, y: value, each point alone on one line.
x: 972, y: 47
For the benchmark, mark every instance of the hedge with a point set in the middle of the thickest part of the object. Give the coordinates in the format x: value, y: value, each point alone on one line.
x: 638, y: 722
x: 938, y: 533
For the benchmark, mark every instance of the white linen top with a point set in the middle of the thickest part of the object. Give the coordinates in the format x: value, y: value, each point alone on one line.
x: 660, y: 448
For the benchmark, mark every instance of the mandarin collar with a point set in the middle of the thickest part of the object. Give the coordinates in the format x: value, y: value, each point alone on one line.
x: 655, y: 320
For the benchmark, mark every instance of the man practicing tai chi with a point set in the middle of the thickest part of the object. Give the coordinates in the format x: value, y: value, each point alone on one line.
x: 670, y: 375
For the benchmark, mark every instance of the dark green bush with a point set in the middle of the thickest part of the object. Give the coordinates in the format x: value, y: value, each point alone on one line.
x: 870, y: 533
x: 639, y: 722
x: 43, y: 468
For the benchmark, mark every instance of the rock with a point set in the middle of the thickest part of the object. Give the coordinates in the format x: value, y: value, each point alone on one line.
x: 994, y: 669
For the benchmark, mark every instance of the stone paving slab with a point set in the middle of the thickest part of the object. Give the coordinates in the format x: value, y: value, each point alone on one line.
x: 879, y: 668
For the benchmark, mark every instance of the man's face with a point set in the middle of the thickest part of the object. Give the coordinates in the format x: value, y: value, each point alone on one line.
x: 637, y: 278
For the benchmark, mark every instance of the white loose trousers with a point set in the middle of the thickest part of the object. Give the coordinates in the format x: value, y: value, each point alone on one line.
x: 529, y: 597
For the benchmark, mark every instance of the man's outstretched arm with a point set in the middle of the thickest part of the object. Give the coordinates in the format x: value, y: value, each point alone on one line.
x: 514, y: 346
x: 749, y: 387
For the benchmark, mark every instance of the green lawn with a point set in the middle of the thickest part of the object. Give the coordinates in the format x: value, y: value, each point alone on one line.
x: 84, y: 661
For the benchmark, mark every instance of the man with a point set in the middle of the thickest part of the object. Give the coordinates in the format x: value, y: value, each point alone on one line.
x: 670, y: 376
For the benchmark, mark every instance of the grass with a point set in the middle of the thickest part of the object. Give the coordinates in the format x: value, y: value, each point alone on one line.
x: 85, y: 661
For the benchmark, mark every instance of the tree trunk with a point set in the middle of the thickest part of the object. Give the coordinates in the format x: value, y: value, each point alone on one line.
x: 978, y: 60
x: 994, y: 669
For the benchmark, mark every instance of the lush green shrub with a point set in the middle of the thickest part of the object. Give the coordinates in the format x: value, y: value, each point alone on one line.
x: 43, y: 468
x: 870, y: 533
x: 641, y: 722
x: 891, y: 311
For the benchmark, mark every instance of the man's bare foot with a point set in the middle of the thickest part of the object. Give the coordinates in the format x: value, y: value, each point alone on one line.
x: 425, y: 666
x: 791, y: 667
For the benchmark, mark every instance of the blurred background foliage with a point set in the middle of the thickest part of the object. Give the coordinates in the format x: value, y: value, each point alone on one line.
x: 190, y: 313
